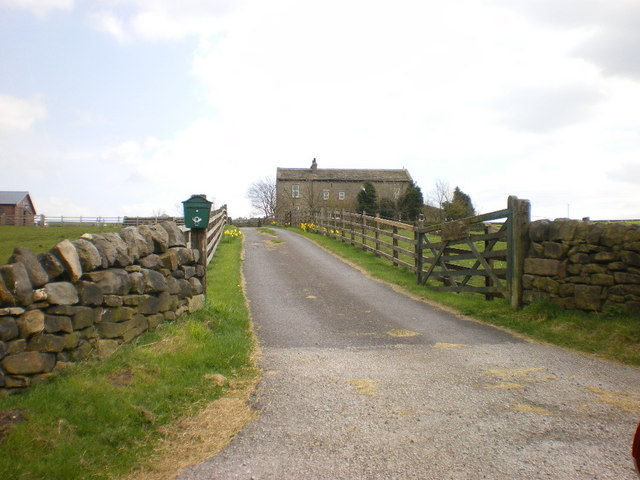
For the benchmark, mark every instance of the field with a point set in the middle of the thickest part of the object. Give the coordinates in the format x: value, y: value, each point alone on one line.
x: 41, y: 239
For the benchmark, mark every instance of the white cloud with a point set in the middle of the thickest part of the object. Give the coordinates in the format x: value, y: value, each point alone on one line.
x: 107, y: 22
x: 614, y: 29
x: 543, y: 109
x: 161, y: 19
x: 19, y: 115
x: 39, y: 8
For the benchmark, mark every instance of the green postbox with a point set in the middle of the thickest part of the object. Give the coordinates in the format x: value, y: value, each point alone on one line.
x: 196, y: 211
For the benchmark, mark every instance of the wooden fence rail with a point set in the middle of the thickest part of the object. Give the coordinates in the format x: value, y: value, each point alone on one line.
x: 207, y: 240
x: 72, y: 221
x: 481, y: 254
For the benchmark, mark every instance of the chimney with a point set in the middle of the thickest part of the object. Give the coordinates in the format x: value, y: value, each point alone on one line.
x: 314, y: 166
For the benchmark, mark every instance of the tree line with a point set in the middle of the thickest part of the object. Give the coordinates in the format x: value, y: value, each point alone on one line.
x: 442, y: 204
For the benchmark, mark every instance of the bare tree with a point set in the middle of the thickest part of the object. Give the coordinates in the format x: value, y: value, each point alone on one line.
x: 440, y: 196
x: 262, y: 195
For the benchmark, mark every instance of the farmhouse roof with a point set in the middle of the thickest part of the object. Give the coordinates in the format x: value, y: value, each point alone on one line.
x: 344, y: 174
x: 13, y: 198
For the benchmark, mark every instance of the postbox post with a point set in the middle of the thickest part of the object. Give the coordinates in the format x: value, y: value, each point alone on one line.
x: 196, y: 217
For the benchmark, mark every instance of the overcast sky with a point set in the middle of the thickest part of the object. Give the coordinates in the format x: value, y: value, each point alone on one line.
x: 127, y: 107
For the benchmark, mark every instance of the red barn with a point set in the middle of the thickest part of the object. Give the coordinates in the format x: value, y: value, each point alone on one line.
x: 16, y: 208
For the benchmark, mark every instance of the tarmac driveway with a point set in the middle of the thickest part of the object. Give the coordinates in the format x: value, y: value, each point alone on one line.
x: 361, y: 382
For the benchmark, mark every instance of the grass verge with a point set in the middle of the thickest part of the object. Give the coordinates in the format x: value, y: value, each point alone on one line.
x: 103, y: 419
x: 613, y: 336
x: 41, y: 239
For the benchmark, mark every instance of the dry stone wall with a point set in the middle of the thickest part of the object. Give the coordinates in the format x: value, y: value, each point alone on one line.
x: 85, y: 298
x: 583, y: 265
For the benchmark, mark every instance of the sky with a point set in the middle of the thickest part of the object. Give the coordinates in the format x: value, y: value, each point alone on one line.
x: 127, y: 107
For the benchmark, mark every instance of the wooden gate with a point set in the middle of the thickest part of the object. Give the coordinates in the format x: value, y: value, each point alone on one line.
x: 482, y: 254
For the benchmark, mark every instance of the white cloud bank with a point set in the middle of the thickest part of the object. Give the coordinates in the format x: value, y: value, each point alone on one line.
x: 537, y: 99
x: 18, y: 114
x: 39, y: 8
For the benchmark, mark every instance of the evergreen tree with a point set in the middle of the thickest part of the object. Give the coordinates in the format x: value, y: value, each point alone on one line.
x: 387, y: 208
x: 460, y: 206
x: 411, y: 202
x: 367, y: 199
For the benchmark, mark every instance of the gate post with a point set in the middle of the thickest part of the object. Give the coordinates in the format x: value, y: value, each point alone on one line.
x: 417, y: 236
x: 364, y: 223
x: 520, y: 218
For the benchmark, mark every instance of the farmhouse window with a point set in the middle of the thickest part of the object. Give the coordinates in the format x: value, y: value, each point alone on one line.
x: 340, y: 195
x: 295, y: 191
x: 325, y: 194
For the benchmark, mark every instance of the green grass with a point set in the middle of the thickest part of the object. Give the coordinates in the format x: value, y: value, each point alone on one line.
x: 41, y: 239
x: 610, y: 335
x: 268, y: 231
x: 85, y: 423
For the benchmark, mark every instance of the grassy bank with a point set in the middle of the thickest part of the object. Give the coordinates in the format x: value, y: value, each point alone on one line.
x: 102, y: 419
x: 613, y: 335
x: 40, y: 239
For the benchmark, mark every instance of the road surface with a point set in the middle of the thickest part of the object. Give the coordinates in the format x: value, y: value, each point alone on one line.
x: 362, y: 382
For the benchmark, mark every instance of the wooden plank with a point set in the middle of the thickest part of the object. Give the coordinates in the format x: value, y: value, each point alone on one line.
x: 477, y: 219
x: 485, y: 265
x: 468, y: 288
x: 456, y: 251
x: 489, y: 236
x: 496, y: 255
x: 475, y: 272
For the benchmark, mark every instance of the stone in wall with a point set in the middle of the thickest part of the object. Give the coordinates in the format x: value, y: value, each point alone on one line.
x: 51, y: 265
x: 37, y: 274
x: 30, y: 323
x: 114, y: 281
x: 89, y: 255
x: 68, y: 256
x: 61, y: 293
x: 175, y: 237
x: 16, y: 281
x: 158, y: 236
x: 6, y: 297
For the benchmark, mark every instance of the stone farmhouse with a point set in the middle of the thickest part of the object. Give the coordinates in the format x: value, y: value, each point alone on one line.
x: 16, y: 208
x: 303, y: 191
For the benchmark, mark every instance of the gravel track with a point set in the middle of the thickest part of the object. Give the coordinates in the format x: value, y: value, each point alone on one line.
x: 343, y: 397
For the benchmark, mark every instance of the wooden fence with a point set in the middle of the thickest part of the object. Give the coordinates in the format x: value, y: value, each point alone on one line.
x: 482, y: 254
x: 77, y: 221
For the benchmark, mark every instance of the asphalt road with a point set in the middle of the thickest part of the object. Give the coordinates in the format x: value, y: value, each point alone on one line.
x: 345, y: 397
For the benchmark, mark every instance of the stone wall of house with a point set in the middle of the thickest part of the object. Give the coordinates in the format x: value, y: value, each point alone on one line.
x: 583, y: 265
x: 85, y: 298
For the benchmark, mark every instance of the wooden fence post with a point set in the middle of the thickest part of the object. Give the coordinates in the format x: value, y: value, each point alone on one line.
x: 199, y: 241
x: 417, y: 249
x: 488, y: 281
x: 352, y: 229
x: 395, y: 245
x: 520, y: 218
x: 377, y: 235
x: 364, y: 224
